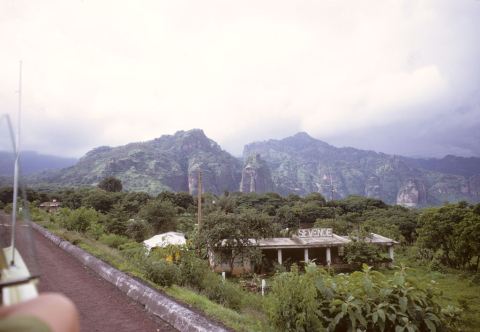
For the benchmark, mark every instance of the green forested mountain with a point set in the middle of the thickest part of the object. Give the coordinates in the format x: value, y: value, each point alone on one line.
x: 170, y: 162
x: 298, y: 164
x: 302, y: 164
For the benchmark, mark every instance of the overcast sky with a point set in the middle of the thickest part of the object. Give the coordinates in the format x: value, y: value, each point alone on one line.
x: 400, y: 77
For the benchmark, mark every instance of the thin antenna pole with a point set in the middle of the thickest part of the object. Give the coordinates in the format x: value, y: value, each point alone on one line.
x: 199, y: 207
x: 15, y: 173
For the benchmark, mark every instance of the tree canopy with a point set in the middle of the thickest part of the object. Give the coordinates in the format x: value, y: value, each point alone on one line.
x: 233, y: 236
x: 111, y: 184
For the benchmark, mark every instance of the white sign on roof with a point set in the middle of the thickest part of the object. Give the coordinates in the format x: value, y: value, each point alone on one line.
x: 315, y: 232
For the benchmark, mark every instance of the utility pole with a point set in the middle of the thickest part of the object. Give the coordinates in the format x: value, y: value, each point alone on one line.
x: 333, y: 210
x: 199, y: 207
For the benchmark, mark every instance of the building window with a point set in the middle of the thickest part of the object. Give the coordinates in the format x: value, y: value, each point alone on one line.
x: 341, y: 251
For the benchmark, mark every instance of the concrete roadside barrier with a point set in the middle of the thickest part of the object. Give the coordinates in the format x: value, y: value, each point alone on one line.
x: 176, y: 315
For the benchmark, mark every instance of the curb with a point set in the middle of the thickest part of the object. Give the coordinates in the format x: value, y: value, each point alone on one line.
x: 179, y: 317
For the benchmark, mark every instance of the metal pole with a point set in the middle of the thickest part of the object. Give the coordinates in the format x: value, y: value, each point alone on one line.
x: 199, y: 207
x: 16, y: 170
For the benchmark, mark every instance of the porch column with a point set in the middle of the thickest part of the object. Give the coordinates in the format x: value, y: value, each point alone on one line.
x: 329, y: 257
x: 306, y: 254
x: 390, y: 252
x: 279, y: 253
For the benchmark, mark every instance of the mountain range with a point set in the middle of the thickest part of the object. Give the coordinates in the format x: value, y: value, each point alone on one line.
x: 298, y: 164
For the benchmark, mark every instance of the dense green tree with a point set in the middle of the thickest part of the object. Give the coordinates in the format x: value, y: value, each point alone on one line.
x: 288, y: 217
x: 312, y: 211
x: 359, y: 204
x: 293, y: 199
x: 72, y: 201
x: 438, y: 227
x: 138, y: 230
x: 166, y: 196
x: 270, y: 210
x: 99, y: 200
x: 6, y: 195
x: 116, y: 221
x: 160, y: 215
x: 232, y: 236
x: 274, y: 199
x: 139, y: 196
x: 360, y: 251
x: 227, y: 204
x: 111, y: 184
x: 317, y: 198
x: 183, y: 199
x: 405, y: 219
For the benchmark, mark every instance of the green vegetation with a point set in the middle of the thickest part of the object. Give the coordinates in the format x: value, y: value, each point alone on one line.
x: 310, y: 300
x: 362, y: 301
x: 298, y: 164
x: 455, y: 230
x: 111, y: 184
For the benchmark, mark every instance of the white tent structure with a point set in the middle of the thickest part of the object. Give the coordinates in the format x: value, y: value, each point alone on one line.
x: 162, y: 240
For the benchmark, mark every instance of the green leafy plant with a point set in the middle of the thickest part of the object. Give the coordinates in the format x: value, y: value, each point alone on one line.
x: 292, y: 305
x: 368, y: 301
x: 161, y: 272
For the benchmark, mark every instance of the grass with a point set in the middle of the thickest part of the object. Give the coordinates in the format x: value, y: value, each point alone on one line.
x: 249, y: 319
x: 457, y: 287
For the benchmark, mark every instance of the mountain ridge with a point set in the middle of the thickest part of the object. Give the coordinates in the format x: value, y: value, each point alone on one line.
x: 299, y: 164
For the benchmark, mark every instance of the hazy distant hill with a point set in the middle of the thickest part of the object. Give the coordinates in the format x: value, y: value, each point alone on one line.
x: 449, y: 164
x: 299, y: 164
x: 31, y: 161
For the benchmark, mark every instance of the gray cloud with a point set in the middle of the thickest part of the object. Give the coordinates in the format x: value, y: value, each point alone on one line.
x: 394, y: 77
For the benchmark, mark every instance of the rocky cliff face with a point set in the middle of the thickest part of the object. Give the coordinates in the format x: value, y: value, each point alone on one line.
x: 298, y: 164
x: 302, y: 164
x: 256, y: 175
x: 412, y: 193
x: 474, y: 185
x: 170, y: 162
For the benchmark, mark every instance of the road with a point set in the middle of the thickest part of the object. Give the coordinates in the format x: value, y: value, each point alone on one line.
x: 102, y: 307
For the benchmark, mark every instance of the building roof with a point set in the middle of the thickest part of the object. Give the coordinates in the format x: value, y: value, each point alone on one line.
x: 312, y: 242
x: 50, y: 204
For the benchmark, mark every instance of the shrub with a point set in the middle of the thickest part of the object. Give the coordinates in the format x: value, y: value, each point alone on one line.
x: 73, y: 237
x: 292, y: 304
x: 359, y: 252
x: 192, y: 270
x: 8, y: 208
x: 222, y: 291
x: 138, y: 230
x: 436, y: 266
x: 362, y: 301
x: 476, y: 279
x: 368, y: 300
x: 95, y: 230
x: 78, y: 220
x: 161, y: 272
x: 113, y: 240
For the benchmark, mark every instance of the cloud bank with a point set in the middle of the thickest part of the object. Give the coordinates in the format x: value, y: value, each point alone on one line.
x: 399, y: 78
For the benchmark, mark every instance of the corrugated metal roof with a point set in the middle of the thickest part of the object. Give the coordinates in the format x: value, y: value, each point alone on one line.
x: 325, y: 241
